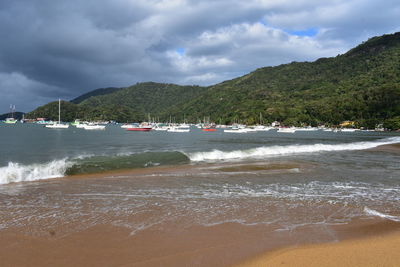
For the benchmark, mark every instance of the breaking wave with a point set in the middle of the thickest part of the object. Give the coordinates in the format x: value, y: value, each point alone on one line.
x: 16, y: 172
x: 268, y: 151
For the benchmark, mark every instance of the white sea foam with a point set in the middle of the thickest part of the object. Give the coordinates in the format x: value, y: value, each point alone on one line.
x: 267, y: 151
x: 16, y: 172
x: 382, y: 215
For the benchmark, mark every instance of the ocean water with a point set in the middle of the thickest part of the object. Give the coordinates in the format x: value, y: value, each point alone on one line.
x: 281, y: 180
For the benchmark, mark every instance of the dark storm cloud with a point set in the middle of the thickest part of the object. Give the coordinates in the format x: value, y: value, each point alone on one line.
x: 51, y: 49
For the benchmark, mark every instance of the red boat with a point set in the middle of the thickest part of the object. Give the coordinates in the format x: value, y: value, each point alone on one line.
x: 209, y: 129
x: 140, y: 128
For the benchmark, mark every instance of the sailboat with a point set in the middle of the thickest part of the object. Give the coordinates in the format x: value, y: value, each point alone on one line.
x: 11, y: 120
x: 58, y: 125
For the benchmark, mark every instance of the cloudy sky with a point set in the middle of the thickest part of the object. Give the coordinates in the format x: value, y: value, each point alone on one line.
x: 52, y: 49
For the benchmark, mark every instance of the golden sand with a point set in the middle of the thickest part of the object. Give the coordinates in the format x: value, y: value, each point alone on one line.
x: 378, y: 251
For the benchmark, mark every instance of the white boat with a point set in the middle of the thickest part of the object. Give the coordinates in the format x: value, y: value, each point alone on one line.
x: 348, y: 130
x: 10, y: 121
x: 249, y: 129
x: 81, y: 125
x: 58, y: 125
x: 78, y: 123
x: 126, y: 125
x: 286, y: 130
x: 307, y: 129
x: 262, y: 128
x: 236, y: 129
x: 177, y: 129
x: 91, y: 126
x: 161, y: 127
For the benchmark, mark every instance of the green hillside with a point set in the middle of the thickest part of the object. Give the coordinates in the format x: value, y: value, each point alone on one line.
x: 362, y: 85
x: 148, y: 97
x: 132, y: 103
x: 97, y: 92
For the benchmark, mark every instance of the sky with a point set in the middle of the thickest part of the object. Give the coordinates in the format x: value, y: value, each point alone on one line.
x: 51, y: 49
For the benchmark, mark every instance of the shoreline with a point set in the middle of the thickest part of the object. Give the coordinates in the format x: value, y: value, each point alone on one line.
x: 361, y: 245
x: 395, y: 147
x: 172, y: 242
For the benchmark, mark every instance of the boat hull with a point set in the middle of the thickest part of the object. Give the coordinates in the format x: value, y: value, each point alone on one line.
x: 94, y: 127
x: 138, y: 129
x: 57, y: 126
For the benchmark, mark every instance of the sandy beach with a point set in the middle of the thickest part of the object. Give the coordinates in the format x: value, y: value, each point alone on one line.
x: 365, y: 244
x: 376, y: 251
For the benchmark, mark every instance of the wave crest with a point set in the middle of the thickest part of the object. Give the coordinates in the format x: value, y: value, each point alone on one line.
x: 16, y: 172
x: 260, y: 152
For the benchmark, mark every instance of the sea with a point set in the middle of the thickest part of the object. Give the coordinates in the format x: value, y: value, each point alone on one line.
x: 69, y: 180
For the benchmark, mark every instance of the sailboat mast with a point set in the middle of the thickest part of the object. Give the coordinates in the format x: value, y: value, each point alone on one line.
x: 59, y: 111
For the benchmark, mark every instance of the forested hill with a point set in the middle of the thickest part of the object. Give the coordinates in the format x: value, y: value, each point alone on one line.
x: 147, y: 97
x: 132, y: 103
x: 97, y: 92
x: 362, y: 85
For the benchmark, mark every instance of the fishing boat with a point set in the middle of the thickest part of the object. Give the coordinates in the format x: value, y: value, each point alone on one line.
x: 58, y: 125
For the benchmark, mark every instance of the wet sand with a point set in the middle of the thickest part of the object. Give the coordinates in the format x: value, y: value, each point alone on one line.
x: 222, y: 245
x: 395, y: 148
x: 372, y: 245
